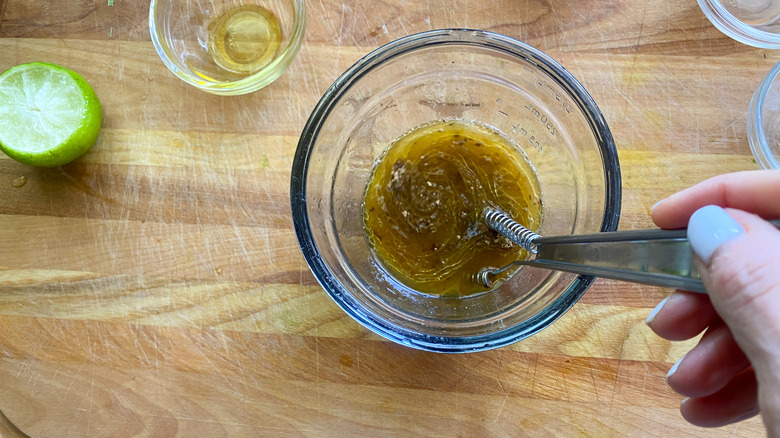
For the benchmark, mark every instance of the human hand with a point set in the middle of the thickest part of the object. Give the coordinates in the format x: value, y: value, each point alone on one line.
x: 734, y: 371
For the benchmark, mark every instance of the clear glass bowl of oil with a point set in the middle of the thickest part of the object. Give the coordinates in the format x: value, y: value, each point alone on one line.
x: 387, y: 153
x: 227, y: 47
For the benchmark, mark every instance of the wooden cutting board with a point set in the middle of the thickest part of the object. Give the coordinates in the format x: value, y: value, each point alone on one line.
x: 154, y: 287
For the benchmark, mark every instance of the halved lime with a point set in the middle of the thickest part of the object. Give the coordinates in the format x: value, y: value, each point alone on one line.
x: 49, y: 115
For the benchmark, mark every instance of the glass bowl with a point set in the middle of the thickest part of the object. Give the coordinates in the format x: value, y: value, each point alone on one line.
x: 764, y: 121
x: 755, y: 23
x: 472, y: 76
x: 227, y: 47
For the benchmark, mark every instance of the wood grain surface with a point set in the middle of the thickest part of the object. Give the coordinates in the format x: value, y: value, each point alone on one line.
x: 154, y: 287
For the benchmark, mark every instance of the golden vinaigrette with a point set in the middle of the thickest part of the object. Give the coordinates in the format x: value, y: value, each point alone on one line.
x: 423, y: 205
x: 245, y: 39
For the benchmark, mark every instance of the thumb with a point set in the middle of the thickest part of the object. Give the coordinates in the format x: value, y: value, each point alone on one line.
x: 739, y: 262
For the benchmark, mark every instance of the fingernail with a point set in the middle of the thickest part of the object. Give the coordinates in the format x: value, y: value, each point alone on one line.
x: 656, y: 205
x: 674, y: 368
x: 709, y: 228
x: 656, y: 310
x: 742, y: 417
x: 684, y: 401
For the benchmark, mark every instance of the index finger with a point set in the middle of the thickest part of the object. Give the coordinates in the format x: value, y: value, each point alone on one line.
x: 755, y: 191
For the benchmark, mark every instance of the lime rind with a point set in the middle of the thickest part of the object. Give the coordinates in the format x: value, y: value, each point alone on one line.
x: 49, y: 115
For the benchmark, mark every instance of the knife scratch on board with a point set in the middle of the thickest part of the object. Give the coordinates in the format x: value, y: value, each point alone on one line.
x: 501, y: 408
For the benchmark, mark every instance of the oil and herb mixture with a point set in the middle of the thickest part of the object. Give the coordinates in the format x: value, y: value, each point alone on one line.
x: 245, y: 39
x: 424, y: 202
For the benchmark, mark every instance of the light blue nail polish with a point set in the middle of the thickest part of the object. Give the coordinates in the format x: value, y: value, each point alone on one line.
x: 709, y: 228
x: 656, y: 310
x: 656, y: 205
x: 674, y: 368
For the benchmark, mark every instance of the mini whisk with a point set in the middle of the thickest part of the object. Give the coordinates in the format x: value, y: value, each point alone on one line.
x: 654, y: 257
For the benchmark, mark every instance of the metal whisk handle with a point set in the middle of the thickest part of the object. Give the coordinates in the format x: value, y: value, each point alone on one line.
x: 518, y: 234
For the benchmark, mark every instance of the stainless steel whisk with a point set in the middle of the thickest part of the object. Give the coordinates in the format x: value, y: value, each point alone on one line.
x: 654, y: 257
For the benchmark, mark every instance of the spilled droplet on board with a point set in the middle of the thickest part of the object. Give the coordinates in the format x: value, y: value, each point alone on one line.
x: 19, y: 182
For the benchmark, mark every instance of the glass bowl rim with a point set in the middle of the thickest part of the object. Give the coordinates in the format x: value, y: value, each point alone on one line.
x: 755, y: 119
x: 298, y: 180
x: 735, y: 28
x: 254, y: 82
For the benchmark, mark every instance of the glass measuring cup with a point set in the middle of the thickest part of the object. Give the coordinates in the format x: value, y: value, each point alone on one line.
x: 451, y: 74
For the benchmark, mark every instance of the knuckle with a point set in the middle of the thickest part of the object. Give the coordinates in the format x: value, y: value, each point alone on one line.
x: 745, y: 279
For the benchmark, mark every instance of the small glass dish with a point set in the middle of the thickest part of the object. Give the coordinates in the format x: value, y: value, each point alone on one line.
x: 473, y: 76
x: 763, y: 121
x: 753, y: 23
x: 227, y: 47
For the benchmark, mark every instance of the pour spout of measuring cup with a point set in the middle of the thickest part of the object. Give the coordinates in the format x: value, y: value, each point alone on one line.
x: 653, y: 257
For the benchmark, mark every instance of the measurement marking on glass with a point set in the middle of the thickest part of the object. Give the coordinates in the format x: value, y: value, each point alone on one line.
x: 543, y: 118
